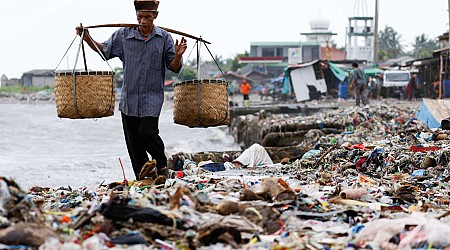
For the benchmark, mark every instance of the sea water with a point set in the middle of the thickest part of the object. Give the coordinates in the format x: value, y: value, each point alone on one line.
x: 39, y: 149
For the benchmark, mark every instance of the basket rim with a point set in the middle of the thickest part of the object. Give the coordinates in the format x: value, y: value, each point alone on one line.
x: 84, y: 73
x: 202, y: 81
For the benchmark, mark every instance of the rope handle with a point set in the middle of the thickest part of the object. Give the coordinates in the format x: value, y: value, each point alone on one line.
x: 81, y: 48
x: 197, y: 42
x: 200, y: 121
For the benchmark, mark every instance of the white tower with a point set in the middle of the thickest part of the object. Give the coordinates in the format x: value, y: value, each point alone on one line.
x: 319, y: 31
x: 360, y: 34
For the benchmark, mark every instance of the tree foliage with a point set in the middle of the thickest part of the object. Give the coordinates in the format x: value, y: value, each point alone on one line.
x: 118, y: 71
x: 423, y: 47
x: 389, y: 44
x: 233, y: 63
x: 188, y: 73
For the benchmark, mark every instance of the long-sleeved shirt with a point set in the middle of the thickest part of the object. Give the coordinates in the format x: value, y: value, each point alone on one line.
x: 144, y: 63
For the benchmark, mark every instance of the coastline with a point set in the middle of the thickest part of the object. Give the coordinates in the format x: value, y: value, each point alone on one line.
x: 32, y: 98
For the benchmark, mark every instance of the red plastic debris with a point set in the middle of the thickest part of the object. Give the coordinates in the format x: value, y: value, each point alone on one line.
x: 180, y: 174
x: 421, y: 148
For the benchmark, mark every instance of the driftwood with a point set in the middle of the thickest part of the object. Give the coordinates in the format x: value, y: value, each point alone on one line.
x: 283, y: 139
x: 294, y: 127
x: 215, y: 156
x: 278, y: 153
x: 323, y: 156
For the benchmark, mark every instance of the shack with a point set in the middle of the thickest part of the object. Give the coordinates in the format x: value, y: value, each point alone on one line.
x: 38, y: 78
x: 313, y: 80
x: 433, y: 84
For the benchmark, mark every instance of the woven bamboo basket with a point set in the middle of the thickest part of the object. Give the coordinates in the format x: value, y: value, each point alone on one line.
x: 201, y: 103
x: 88, y: 94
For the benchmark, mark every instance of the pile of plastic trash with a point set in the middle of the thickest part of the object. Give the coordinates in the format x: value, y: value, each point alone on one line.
x: 360, y: 189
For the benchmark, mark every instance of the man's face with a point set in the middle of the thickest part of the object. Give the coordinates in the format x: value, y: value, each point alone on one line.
x: 145, y: 18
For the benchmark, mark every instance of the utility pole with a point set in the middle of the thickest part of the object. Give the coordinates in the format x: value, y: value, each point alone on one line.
x: 448, y: 45
x: 375, y: 34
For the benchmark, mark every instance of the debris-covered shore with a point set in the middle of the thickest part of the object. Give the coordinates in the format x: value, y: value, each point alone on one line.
x: 379, y: 181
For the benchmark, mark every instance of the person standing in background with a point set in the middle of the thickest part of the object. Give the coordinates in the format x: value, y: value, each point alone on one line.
x: 245, y: 90
x: 374, y: 87
x: 359, y: 83
x: 411, y: 87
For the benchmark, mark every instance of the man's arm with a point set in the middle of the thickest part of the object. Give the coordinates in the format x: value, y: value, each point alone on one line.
x: 352, y: 83
x: 176, y: 63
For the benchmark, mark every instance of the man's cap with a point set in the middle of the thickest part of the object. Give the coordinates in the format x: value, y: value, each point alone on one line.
x: 146, y: 5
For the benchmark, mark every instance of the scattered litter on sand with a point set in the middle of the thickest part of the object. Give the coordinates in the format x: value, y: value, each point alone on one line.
x: 381, y: 181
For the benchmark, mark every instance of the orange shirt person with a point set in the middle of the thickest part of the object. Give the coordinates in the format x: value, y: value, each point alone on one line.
x: 245, y: 89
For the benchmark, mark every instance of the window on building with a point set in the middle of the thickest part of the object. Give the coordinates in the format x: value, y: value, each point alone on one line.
x: 310, y: 53
x: 306, y: 54
x: 279, y: 52
x: 268, y: 52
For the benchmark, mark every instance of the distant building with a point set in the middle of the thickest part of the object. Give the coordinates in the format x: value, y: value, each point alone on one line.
x: 4, y: 81
x: 38, y: 78
x: 360, y: 40
x: 234, y: 79
x: 14, y: 81
x: 319, y: 32
x: 8, y: 82
x: 207, y: 70
x: 270, y: 58
x: 443, y: 40
x: 279, y: 51
x: 331, y: 54
x: 256, y: 77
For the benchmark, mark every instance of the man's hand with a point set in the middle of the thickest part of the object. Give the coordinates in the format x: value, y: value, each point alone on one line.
x: 79, y: 30
x: 180, y: 48
x: 88, y: 39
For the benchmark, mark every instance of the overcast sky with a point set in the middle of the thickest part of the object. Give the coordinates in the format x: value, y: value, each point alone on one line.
x: 36, y: 33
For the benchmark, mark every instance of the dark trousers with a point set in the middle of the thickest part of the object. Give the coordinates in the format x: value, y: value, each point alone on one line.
x: 142, y: 136
x: 361, y: 94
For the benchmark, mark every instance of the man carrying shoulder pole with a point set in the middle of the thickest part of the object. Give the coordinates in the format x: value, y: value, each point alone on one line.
x: 145, y: 51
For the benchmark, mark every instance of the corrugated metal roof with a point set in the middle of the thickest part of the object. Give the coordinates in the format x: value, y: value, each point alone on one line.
x: 302, y: 65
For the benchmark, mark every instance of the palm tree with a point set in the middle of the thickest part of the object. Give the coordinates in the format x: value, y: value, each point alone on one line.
x: 389, y: 44
x: 424, y: 47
